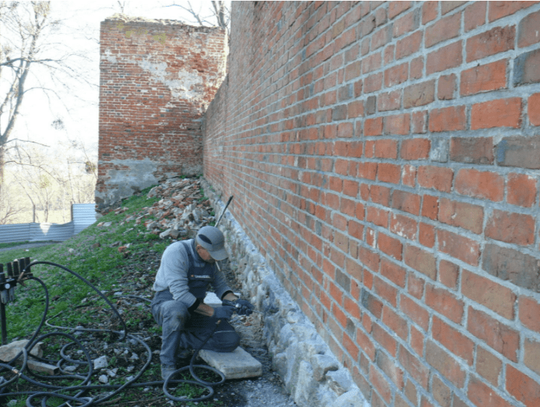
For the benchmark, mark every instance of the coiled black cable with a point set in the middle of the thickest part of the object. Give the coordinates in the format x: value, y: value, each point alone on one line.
x: 83, y: 388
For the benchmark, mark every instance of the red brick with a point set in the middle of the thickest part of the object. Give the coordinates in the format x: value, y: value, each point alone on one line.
x: 415, y: 312
x: 445, y: 364
x: 444, y: 58
x: 389, y: 101
x: 426, y: 235
x: 474, y: 15
x: 500, y: 9
x: 397, y: 124
x: 439, y: 178
x: 446, y: 87
x: 461, y: 214
x: 496, y: 113
x: 366, y: 344
x: 416, y: 68
x: 421, y: 260
x: 367, y: 170
x: 408, y: 45
x: 486, y: 185
x: 405, y: 24
x: 447, y: 119
x: 459, y: 247
x: 406, y: 201
x: 419, y: 94
x: 453, y: 340
x: 395, y: 323
x: 529, y: 309
x: 488, y: 293
x: 391, y: 246
x: 484, y: 396
x: 385, y: 149
x: 441, y: 392
x: 472, y: 150
x: 403, y: 226
x: 532, y: 355
x: 384, y: 339
x: 511, y: 227
x: 379, y: 382
x: 377, y: 216
x: 415, y: 286
x: 444, y: 29
x: 448, y: 6
x: 373, y: 127
x: 429, y: 11
x: 488, y: 366
x: 430, y: 207
x: 448, y: 274
x: 385, y: 290
x: 396, y: 8
x: 408, y: 176
x: 522, y: 387
x: 417, y: 340
x: 414, y: 366
x: 445, y: 303
x: 533, y: 109
x: 484, y: 78
x: 380, y: 195
x: 498, y: 336
x: 494, y: 41
x: 519, y: 151
x: 528, y: 30
x: 415, y: 149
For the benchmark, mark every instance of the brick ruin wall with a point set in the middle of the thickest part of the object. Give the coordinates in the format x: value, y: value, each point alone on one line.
x: 384, y: 158
x: 157, y: 78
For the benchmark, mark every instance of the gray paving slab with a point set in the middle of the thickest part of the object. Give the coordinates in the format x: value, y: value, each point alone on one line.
x: 234, y: 365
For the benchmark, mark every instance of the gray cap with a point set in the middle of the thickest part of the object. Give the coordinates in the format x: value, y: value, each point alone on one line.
x: 213, y: 241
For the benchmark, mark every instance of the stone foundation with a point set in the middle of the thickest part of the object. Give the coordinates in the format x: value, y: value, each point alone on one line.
x: 311, y: 373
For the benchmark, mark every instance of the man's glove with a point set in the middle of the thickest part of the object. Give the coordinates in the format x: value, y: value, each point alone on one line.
x: 224, y: 312
x: 242, y: 307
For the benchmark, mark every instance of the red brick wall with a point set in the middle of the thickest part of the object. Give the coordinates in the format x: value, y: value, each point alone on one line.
x: 157, y: 78
x: 384, y: 157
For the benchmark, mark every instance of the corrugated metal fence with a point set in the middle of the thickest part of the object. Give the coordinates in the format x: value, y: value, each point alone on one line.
x: 83, y: 215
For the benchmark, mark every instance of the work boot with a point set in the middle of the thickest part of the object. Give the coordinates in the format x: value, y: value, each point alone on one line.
x: 166, y: 371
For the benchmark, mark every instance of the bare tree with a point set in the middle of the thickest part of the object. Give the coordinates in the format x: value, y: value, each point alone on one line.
x: 217, y: 16
x: 24, y: 51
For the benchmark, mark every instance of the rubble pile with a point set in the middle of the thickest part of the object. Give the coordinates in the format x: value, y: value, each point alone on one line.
x: 180, y: 213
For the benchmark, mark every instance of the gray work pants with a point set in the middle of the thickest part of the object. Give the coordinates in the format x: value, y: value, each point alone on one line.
x: 182, y: 330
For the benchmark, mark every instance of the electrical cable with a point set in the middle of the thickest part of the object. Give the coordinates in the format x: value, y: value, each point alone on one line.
x: 84, y: 387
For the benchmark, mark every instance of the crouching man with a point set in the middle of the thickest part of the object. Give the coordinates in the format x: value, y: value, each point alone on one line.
x: 187, y: 269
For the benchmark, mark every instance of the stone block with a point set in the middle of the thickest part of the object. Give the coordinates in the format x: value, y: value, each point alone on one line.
x: 352, y: 398
x: 9, y: 351
x: 340, y: 381
x: 234, y: 365
x: 322, y: 364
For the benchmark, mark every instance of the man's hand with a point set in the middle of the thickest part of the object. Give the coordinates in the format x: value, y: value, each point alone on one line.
x: 223, y: 312
x: 242, y: 307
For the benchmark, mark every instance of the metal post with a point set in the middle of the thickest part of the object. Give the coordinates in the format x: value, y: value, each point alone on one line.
x: 3, y: 322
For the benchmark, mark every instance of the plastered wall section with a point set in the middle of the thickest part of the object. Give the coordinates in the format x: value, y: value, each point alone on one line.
x: 157, y: 78
x: 384, y: 157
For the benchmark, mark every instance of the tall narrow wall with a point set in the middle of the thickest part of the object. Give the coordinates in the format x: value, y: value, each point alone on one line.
x: 157, y: 78
x: 384, y: 158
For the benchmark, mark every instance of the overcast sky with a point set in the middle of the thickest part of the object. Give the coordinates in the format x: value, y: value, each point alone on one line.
x: 78, y: 105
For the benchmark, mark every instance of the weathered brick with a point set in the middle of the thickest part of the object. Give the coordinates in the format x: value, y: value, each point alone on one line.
x: 421, y: 260
x: 500, y: 9
x: 474, y: 15
x: 441, y: 392
x: 406, y: 201
x: 482, y: 395
x: 396, y: 8
x: 532, y: 355
x: 447, y: 119
x: 461, y: 214
x: 459, y: 247
x: 484, y: 78
x: 528, y: 30
x: 439, y: 178
x: 488, y: 293
x: 446, y: 88
x: 494, y: 41
x: 444, y: 302
x: 508, y: 264
x: 498, y: 336
x: 453, y: 340
x: 430, y: 207
x: 521, y: 189
x: 444, y: 29
x: 419, y: 94
x: 415, y: 311
x: 415, y: 149
x: 408, y: 45
x: 473, y: 150
x: 529, y: 310
x: 488, y: 366
x: 511, y: 227
x: 496, y: 113
x: 445, y: 364
x: 519, y: 151
x: 479, y: 184
x: 416, y: 368
x: 526, y: 68
x: 448, y: 274
x: 522, y: 387
x: 444, y: 58
x: 397, y: 124
x: 533, y: 109
x: 429, y: 11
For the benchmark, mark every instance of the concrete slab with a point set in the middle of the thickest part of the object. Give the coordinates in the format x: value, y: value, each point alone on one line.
x: 234, y: 365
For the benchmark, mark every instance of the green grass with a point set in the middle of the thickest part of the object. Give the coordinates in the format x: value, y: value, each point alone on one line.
x: 14, y: 244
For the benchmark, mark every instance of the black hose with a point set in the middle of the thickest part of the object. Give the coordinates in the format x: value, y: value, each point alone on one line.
x: 83, y: 387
